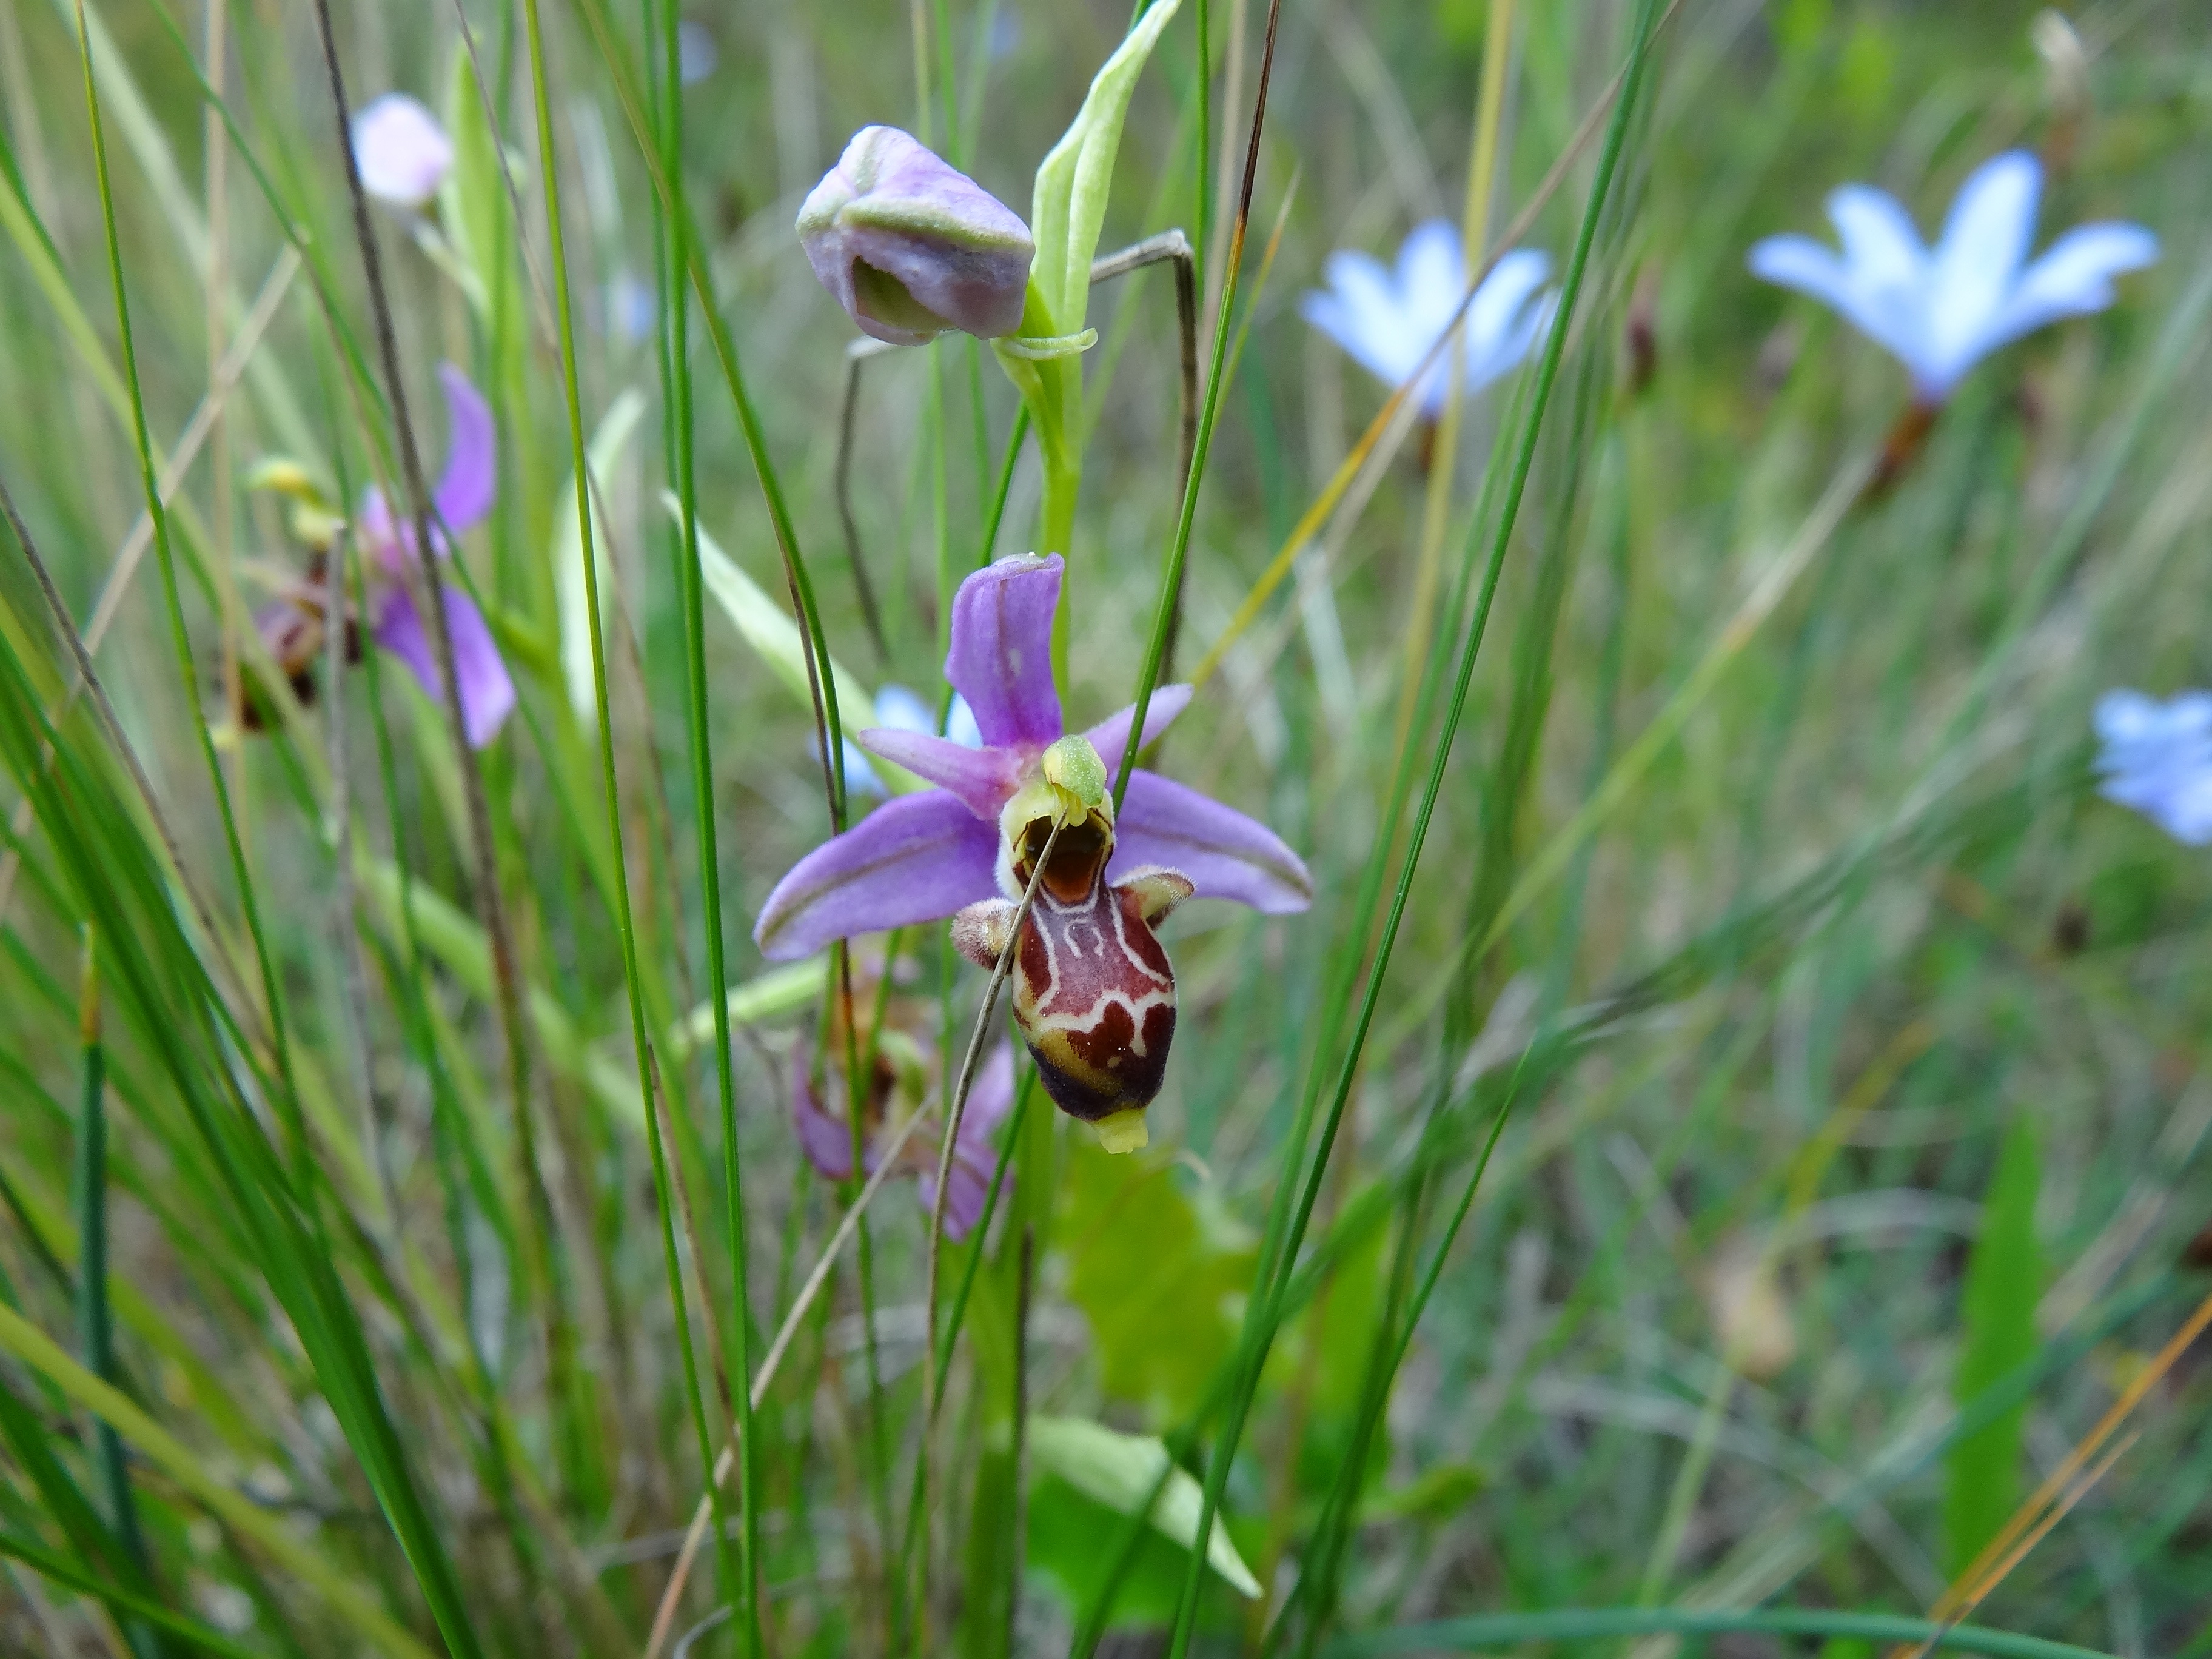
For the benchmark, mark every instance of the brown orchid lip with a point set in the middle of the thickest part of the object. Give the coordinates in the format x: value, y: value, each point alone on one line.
x: 1078, y: 858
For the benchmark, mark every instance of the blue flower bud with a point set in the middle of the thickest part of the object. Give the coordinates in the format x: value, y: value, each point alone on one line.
x: 911, y: 247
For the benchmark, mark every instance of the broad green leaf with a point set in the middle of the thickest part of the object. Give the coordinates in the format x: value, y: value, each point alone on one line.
x: 1155, y: 1283
x: 472, y: 205
x: 607, y: 442
x: 1996, y: 1314
x: 1118, y: 1470
x: 1068, y: 208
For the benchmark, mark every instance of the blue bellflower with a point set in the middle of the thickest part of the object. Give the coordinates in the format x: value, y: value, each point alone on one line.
x: 1387, y: 320
x: 1939, y: 310
x: 2157, y: 758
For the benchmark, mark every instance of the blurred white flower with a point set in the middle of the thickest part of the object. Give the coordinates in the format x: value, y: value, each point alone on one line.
x: 696, y: 54
x: 903, y: 710
x: 1388, y: 321
x: 403, y: 152
x: 2157, y: 758
x: 1940, y: 311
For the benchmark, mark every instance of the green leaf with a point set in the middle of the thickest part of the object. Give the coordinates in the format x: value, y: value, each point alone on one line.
x: 1119, y: 1470
x: 607, y: 442
x: 472, y: 206
x: 1154, y: 1281
x: 1068, y: 208
x: 1996, y: 1311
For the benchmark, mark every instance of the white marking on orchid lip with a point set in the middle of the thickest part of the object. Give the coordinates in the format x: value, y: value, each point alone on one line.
x: 1135, y: 957
x: 1075, y: 928
x: 1089, y: 1020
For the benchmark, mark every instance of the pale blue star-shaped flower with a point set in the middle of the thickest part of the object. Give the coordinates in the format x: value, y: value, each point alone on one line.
x: 1387, y: 320
x: 2157, y: 758
x: 1940, y: 311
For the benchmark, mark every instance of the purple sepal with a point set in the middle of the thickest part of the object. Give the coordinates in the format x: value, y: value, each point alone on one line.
x: 915, y: 859
x: 1001, y: 658
x: 983, y: 779
x: 973, y: 1156
x: 487, y: 689
x: 1225, y: 855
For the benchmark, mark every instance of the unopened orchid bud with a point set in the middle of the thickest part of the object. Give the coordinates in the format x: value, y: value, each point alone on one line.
x: 913, y: 247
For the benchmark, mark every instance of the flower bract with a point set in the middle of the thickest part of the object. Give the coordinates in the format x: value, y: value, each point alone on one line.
x: 403, y: 152
x: 2157, y: 758
x: 913, y: 247
x: 1939, y: 310
x: 1388, y: 320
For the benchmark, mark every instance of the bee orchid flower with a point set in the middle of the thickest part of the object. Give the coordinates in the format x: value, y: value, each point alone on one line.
x: 462, y: 500
x: 902, y: 1071
x: 293, y: 627
x: 1387, y: 320
x: 973, y: 839
x: 1939, y: 310
x: 2157, y: 758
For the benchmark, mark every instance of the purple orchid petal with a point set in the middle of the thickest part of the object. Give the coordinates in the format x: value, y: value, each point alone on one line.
x: 983, y: 779
x: 1111, y: 735
x: 487, y: 689
x: 824, y: 1137
x: 1225, y: 855
x: 1001, y: 655
x: 915, y: 859
x: 464, y: 495
x: 973, y: 1157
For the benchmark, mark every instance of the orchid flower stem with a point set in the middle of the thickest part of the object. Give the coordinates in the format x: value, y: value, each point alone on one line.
x: 625, y: 925
x: 1265, y: 1312
x: 1170, y: 596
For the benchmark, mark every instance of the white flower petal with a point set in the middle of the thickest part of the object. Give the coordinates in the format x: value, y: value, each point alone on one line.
x: 1985, y: 241
x: 403, y: 152
x: 2073, y: 278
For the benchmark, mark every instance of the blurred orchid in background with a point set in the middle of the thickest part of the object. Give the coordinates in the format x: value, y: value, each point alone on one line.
x: 904, y: 1072
x: 921, y: 857
x: 1388, y: 321
x: 462, y: 500
x: 2157, y: 758
x: 1940, y: 311
x: 911, y: 247
x: 403, y: 152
